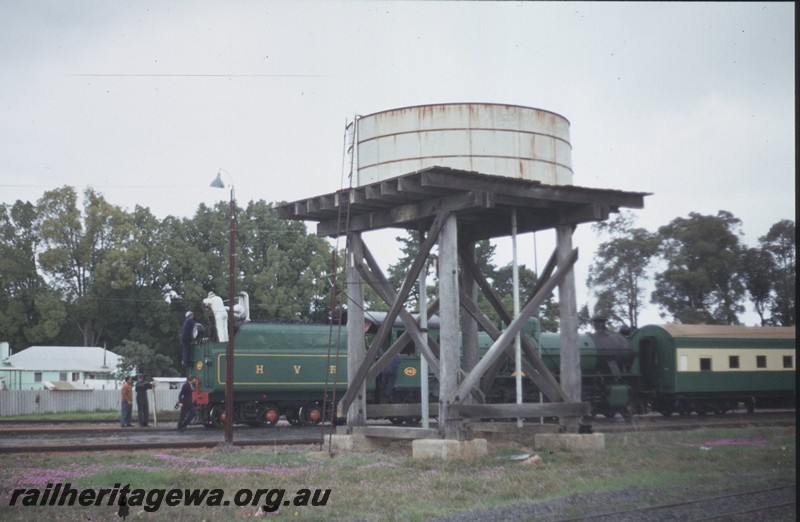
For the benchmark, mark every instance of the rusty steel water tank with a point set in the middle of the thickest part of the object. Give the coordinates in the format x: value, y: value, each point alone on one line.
x: 504, y: 140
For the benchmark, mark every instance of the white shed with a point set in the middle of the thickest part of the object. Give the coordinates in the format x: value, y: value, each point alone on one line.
x: 58, y: 367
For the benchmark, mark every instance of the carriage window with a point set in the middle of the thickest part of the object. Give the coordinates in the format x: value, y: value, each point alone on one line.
x: 761, y: 361
x: 705, y: 364
x: 409, y: 348
x: 787, y: 361
x: 733, y: 361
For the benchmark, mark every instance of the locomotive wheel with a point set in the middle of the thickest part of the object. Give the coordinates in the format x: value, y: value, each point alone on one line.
x: 216, y: 417
x: 270, y: 414
x: 310, y: 414
x: 205, y: 417
x: 292, y: 417
x: 252, y: 413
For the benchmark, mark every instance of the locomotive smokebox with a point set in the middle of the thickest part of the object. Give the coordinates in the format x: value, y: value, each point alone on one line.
x: 503, y: 140
x: 614, y: 352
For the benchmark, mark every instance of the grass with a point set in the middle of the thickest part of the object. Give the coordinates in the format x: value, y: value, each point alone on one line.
x: 389, y: 485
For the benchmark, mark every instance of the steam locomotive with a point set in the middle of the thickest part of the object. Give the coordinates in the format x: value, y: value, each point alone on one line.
x: 297, y: 370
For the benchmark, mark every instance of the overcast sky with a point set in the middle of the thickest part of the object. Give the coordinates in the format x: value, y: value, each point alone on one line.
x: 146, y: 100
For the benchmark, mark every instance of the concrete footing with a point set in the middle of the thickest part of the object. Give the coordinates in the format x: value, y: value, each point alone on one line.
x: 576, y: 442
x: 446, y: 449
x: 357, y: 442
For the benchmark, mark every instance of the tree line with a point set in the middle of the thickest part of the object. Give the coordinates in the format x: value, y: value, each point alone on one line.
x: 701, y: 271
x: 93, y: 274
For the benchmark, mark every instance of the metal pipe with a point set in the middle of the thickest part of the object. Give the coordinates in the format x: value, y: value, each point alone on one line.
x: 517, y: 340
x: 229, y: 347
x: 218, y: 183
x: 423, y: 324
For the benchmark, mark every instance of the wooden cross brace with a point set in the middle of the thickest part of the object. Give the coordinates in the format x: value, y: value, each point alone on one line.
x: 502, y: 342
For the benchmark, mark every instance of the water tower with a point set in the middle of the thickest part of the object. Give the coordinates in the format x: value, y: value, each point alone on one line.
x: 502, y: 140
x: 456, y: 174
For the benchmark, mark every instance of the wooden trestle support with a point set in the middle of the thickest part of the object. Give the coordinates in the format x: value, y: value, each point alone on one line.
x: 456, y: 209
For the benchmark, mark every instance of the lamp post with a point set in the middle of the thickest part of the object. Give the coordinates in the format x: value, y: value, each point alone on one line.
x: 218, y: 183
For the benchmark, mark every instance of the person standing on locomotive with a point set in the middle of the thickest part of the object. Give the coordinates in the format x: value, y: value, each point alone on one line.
x: 186, y: 340
x: 214, y: 304
x: 185, y: 403
x: 142, y: 406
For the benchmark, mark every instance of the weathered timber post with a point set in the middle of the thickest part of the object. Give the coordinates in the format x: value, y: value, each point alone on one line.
x: 356, y: 413
x: 449, y: 335
x: 568, y: 308
x: 469, y: 326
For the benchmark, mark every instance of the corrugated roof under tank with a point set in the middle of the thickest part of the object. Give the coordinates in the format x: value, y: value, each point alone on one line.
x: 505, y: 140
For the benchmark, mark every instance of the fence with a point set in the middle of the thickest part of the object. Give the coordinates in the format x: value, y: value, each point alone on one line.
x: 26, y: 402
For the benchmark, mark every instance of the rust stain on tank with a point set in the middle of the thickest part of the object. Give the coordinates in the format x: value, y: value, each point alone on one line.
x: 490, y: 138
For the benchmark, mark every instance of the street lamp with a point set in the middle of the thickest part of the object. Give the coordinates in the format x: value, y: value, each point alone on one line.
x: 218, y: 183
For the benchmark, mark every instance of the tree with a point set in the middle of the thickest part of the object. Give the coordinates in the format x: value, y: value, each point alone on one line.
x: 30, y: 312
x: 781, y: 243
x: 109, y: 268
x: 186, y: 274
x: 396, y: 273
x: 758, y: 268
x: 74, y: 246
x: 702, y: 282
x: 620, y: 269
x: 410, y: 243
x: 126, y: 276
x: 132, y: 283
x: 503, y: 284
x: 284, y: 266
x: 138, y: 358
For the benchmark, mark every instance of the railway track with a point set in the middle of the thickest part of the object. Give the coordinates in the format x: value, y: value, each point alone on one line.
x: 657, y: 422
x: 43, y: 439
x: 774, y: 503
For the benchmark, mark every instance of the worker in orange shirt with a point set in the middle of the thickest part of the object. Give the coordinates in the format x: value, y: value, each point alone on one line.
x: 126, y: 404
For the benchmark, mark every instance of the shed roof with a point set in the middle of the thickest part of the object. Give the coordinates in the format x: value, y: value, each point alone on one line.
x: 63, y: 358
x: 66, y: 386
